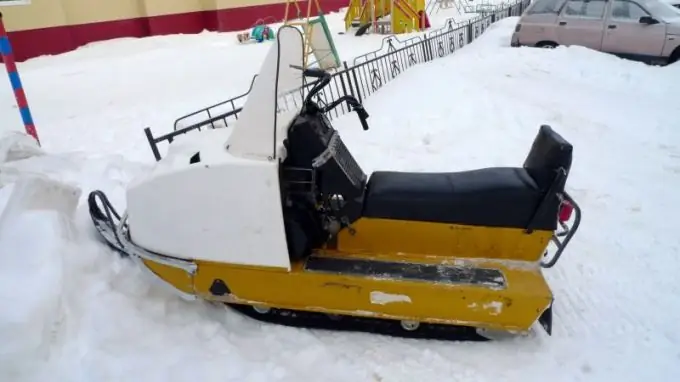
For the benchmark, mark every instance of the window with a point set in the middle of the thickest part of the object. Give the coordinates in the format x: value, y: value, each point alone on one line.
x: 624, y: 10
x: 545, y: 7
x: 587, y: 9
x: 14, y: 2
x: 662, y: 10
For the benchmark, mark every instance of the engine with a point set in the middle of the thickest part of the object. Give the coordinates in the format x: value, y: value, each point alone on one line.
x: 322, y: 184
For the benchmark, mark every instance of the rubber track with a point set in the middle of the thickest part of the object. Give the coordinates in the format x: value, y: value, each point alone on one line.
x: 314, y: 320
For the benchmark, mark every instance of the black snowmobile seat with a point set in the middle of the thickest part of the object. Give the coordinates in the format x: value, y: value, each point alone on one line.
x: 493, y: 197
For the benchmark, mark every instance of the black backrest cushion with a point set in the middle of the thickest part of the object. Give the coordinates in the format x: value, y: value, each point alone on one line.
x: 548, y: 153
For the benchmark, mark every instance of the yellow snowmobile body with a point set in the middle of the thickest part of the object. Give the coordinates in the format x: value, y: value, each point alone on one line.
x: 301, y: 236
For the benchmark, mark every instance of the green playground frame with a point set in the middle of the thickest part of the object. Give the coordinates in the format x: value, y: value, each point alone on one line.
x: 327, y: 32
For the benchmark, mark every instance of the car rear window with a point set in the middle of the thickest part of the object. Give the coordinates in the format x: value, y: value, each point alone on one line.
x: 545, y: 7
x: 589, y: 9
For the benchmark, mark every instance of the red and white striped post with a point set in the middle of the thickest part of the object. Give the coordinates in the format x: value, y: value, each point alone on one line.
x: 11, y: 66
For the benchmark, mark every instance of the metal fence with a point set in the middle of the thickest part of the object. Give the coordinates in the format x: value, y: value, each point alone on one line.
x: 367, y: 74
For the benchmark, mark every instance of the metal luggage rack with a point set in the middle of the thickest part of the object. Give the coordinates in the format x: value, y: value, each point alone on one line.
x: 214, y: 116
x: 219, y: 115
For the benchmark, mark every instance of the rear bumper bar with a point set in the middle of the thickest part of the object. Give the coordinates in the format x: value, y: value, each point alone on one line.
x: 567, y: 232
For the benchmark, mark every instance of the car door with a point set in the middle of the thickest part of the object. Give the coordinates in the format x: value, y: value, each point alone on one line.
x: 625, y: 34
x: 581, y: 22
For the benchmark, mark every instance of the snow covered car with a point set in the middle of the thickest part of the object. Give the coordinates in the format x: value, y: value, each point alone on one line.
x: 643, y: 30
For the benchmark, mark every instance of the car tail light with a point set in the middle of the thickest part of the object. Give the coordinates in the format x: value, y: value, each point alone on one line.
x: 566, y: 209
x: 518, y: 27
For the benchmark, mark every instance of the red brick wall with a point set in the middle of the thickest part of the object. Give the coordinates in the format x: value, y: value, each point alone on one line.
x: 37, y: 42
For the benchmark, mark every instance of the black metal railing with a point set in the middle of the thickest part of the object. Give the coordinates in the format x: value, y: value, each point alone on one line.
x: 369, y: 72
x: 389, y: 44
x: 217, y: 115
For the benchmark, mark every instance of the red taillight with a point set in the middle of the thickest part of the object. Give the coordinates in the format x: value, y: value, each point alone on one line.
x: 566, y: 209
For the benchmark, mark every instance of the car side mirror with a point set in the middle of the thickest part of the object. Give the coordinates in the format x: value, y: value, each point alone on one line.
x: 648, y: 20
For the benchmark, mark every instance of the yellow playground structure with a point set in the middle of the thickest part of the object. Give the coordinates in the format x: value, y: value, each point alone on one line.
x: 386, y: 16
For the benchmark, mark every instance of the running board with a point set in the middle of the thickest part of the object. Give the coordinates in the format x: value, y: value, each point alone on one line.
x: 434, y: 273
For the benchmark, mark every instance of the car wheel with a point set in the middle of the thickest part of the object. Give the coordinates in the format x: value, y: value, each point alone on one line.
x: 675, y: 56
x: 546, y: 45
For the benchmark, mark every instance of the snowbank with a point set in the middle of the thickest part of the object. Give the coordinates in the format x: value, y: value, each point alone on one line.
x: 36, y: 232
x: 15, y: 145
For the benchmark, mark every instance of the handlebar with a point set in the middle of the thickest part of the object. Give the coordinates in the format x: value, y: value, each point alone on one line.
x: 325, y: 79
x: 354, y: 105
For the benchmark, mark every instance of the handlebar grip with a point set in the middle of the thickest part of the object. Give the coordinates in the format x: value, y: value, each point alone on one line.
x: 363, y: 116
x: 364, y: 124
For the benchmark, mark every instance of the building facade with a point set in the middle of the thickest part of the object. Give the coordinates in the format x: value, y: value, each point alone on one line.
x: 57, y: 26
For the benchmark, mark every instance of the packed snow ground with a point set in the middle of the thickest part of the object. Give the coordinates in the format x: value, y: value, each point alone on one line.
x: 75, y: 311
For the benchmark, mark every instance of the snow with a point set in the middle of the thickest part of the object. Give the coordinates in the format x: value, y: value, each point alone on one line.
x: 75, y: 311
x: 31, y: 272
x: 16, y: 145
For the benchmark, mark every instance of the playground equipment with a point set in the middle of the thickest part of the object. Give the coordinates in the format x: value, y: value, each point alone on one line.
x: 463, y: 6
x: 386, y: 16
x: 434, y: 6
x: 319, y: 47
x: 318, y: 40
x: 260, y: 32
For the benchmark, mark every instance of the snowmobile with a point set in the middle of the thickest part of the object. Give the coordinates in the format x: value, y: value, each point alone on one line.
x: 275, y: 218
